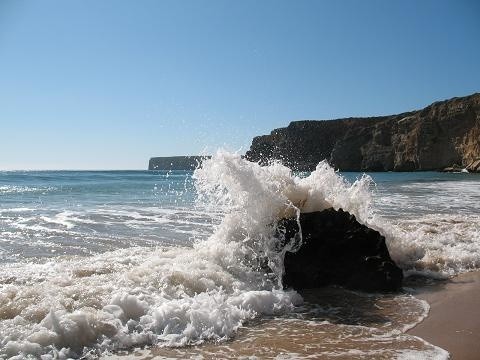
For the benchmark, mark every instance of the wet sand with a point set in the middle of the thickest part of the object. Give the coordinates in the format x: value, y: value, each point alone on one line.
x: 454, y: 319
x: 333, y: 324
x: 453, y: 324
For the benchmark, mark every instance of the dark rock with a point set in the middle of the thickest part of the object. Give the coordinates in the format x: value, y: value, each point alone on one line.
x: 444, y: 133
x: 338, y: 250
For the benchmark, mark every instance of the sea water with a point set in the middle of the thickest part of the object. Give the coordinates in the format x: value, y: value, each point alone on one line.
x: 104, y: 263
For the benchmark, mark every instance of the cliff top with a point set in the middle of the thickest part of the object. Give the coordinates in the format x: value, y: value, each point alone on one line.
x: 302, y: 122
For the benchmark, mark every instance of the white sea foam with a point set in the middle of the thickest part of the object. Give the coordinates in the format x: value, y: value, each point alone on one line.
x: 130, y: 297
x: 435, y: 245
x: 172, y: 296
x: 435, y: 353
x: 187, y: 295
x: 9, y: 189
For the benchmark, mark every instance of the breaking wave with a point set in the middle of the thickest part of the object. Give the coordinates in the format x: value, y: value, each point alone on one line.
x: 189, y: 294
x: 171, y: 295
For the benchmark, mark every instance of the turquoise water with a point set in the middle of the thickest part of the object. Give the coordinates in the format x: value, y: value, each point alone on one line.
x: 93, y: 262
x: 413, y: 194
x: 52, y: 213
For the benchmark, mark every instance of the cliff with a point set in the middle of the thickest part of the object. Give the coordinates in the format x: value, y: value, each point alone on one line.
x: 175, y: 162
x: 441, y: 135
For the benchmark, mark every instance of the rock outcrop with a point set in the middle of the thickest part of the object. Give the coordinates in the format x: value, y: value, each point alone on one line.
x: 454, y: 169
x: 175, y: 162
x: 438, y: 136
x: 474, y: 166
x: 338, y: 250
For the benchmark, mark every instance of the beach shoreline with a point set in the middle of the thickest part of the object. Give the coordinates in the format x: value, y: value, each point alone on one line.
x: 453, y: 322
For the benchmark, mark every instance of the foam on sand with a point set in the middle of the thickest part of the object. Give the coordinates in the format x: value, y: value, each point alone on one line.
x: 171, y: 296
x: 174, y: 296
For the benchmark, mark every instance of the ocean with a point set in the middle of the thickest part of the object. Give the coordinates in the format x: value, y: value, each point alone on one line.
x: 164, y: 264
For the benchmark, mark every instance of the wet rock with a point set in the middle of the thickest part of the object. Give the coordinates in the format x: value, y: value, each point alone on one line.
x: 338, y: 250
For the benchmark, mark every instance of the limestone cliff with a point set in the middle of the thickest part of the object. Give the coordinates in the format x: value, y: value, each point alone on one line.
x: 440, y: 135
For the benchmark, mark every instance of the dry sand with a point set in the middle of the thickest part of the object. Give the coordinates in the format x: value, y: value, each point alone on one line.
x: 454, y: 319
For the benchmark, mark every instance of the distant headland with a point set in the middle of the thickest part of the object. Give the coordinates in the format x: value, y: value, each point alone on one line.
x: 175, y: 162
x: 443, y: 135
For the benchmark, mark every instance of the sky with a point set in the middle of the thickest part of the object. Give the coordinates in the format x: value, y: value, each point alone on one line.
x: 88, y: 84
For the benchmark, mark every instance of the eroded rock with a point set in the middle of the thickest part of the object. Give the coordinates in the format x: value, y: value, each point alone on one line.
x: 444, y: 133
x: 474, y: 166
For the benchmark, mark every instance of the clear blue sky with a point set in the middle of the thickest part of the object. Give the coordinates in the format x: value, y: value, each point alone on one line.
x: 108, y: 84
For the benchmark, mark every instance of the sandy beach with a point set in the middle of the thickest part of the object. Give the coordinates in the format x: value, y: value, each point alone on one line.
x: 454, y: 319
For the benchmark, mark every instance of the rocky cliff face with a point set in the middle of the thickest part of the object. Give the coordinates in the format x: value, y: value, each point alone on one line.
x: 440, y: 135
